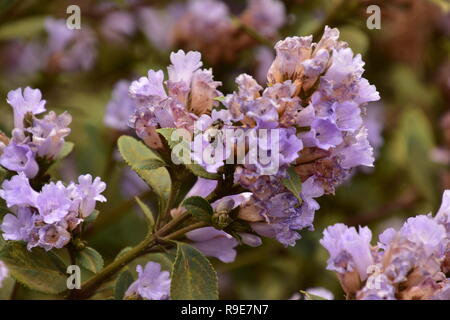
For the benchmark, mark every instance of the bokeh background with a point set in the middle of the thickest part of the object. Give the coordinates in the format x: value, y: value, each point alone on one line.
x: 408, y: 60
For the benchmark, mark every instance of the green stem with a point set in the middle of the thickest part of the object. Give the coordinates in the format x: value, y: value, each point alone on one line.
x: 89, y: 287
x: 179, y: 233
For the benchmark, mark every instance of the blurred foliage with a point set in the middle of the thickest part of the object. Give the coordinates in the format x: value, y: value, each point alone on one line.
x: 404, y: 182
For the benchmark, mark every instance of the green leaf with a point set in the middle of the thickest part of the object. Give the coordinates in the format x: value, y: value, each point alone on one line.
x: 310, y: 296
x: 122, y: 252
x: 293, y: 183
x: 26, y: 27
x: 198, y: 170
x: 357, y: 39
x: 92, y: 217
x: 124, y: 280
x: 408, y: 147
x: 195, y: 168
x: 147, y: 212
x: 150, y: 164
x: 193, y: 277
x: 199, y: 208
x: 66, y: 150
x: 89, y: 259
x: 3, y: 174
x: 167, y: 134
x: 134, y: 152
x: 220, y: 99
x: 7, y: 289
x: 37, y: 269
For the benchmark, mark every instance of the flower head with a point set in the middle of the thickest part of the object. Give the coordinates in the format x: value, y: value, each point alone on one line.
x: 152, y: 283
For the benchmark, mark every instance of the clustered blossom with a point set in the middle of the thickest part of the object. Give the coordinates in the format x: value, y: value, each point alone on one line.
x: 33, y: 140
x: 188, y: 93
x: 64, y: 49
x: 120, y: 108
x: 409, y: 263
x: 311, y: 111
x: 47, y: 218
x: 152, y: 283
x: 316, y: 99
x: 207, y: 26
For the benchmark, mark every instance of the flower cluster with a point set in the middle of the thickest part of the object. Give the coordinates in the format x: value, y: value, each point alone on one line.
x: 207, y: 26
x: 191, y: 91
x: 64, y: 49
x: 152, y: 283
x: 47, y: 218
x: 314, y: 104
x: 409, y: 263
x: 33, y: 141
x: 44, y: 217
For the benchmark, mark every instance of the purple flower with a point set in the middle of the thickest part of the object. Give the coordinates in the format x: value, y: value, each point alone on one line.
x: 349, y: 249
x: 131, y: 184
x: 183, y: 66
x: 18, y: 192
x: 53, y: 236
x: 49, y: 134
x: 207, y: 27
x: 120, y: 108
x: 214, y: 243
x: 30, y: 101
x: 53, y: 202
x: 152, y: 283
x: 19, y: 158
x: 145, y: 89
x: 265, y: 16
x: 18, y: 226
x: 324, y: 134
x: 158, y: 24
x: 75, y: 49
x: 118, y: 25
x: 88, y: 193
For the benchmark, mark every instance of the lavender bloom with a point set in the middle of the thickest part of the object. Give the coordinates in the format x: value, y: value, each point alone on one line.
x: 30, y: 101
x: 206, y: 26
x: 266, y: 16
x: 173, y: 109
x: 264, y: 58
x: 152, y: 283
x: 52, y: 236
x: 48, y: 134
x: 120, y: 107
x: 19, y: 158
x: 67, y: 49
x: 18, y: 226
x: 406, y: 264
x: 47, y: 218
x: 349, y: 249
x: 159, y: 25
x: 214, y: 243
x: 18, y: 192
x: 321, y: 292
x: 88, y: 193
x: 314, y: 101
x: 131, y: 184
x: 118, y: 25
x: 53, y: 202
